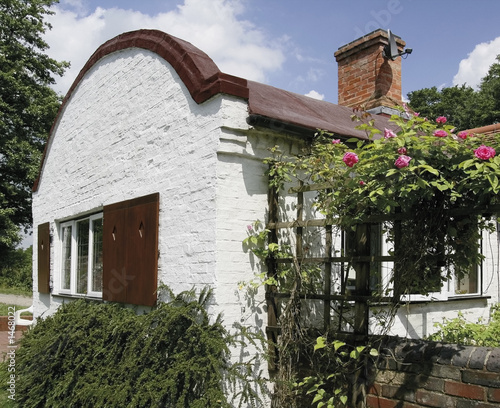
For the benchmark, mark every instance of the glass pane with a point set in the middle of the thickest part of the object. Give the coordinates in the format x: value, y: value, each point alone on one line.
x: 82, y: 266
x: 467, y: 284
x: 66, y: 258
x: 97, y: 256
x: 376, y: 266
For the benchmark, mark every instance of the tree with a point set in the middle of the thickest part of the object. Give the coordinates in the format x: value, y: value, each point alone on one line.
x: 28, y: 107
x: 462, y: 105
x: 459, y: 104
x: 489, y: 92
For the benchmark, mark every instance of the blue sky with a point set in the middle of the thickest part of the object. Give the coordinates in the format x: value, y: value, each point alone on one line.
x: 290, y: 43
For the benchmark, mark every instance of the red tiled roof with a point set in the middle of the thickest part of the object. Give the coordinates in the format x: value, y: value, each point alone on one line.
x: 203, y: 79
x: 486, y: 130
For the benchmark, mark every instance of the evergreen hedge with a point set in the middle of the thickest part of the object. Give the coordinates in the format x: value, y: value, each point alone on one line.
x: 94, y: 354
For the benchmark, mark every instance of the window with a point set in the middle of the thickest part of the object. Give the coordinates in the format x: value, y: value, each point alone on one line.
x: 381, y: 273
x: 111, y: 255
x: 468, y: 285
x: 82, y: 256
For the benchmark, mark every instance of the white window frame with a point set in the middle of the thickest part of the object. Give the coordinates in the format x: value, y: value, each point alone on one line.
x: 74, y: 258
x: 447, y: 290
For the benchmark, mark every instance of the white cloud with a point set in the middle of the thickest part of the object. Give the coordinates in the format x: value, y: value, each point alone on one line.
x: 315, y: 74
x: 472, y: 69
x: 237, y: 46
x: 316, y: 95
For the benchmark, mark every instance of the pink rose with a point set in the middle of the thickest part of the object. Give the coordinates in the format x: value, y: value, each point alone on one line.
x: 336, y: 141
x: 402, y: 161
x: 362, y: 183
x: 350, y: 159
x: 440, y: 133
x: 485, y: 152
x: 441, y: 120
x: 402, y: 150
x: 408, y: 111
x: 389, y: 133
x: 463, y: 135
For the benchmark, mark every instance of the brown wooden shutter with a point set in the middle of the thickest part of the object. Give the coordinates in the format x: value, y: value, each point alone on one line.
x: 44, y: 258
x: 130, y: 251
x: 114, y: 252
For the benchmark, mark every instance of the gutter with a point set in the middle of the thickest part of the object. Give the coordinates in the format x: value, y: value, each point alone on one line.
x: 280, y: 126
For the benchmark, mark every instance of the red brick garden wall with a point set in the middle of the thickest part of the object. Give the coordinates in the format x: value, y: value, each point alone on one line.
x: 423, y: 374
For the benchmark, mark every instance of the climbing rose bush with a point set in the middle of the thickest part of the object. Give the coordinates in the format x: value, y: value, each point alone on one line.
x: 420, y: 172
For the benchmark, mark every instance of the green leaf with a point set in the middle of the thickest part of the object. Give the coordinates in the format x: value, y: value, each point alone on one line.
x: 343, y: 399
x: 391, y: 172
x: 429, y: 169
x: 493, y: 179
x: 422, y: 183
x: 466, y: 164
x: 337, y: 344
x: 273, y: 247
x: 317, y: 398
x: 320, y: 343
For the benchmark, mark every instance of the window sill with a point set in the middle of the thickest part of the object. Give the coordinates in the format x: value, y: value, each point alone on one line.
x: 435, y: 300
x: 450, y: 299
x: 468, y: 297
x: 74, y: 296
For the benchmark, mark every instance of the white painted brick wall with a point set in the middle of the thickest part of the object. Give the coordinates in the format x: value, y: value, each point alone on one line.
x: 131, y: 129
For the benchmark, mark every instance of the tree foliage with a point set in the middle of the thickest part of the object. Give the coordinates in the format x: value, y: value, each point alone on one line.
x: 490, y: 95
x: 463, y: 106
x: 27, y: 108
x: 16, y: 269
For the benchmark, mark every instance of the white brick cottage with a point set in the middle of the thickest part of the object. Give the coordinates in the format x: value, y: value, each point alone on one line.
x: 153, y: 170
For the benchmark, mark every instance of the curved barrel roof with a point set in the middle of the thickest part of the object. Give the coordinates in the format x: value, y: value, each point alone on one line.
x: 203, y: 79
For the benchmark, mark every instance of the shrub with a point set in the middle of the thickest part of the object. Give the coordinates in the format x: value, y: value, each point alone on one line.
x: 459, y: 331
x: 16, y: 269
x: 105, y: 355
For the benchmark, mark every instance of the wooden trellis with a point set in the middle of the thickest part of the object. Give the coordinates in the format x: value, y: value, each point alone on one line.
x: 354, y: 299
x: 345, y: 299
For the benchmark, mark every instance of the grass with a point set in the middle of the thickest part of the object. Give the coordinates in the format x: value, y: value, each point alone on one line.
x: 5, y: 308
x: 6, y: 290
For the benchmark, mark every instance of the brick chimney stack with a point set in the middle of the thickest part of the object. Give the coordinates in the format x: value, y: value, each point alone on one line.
x: 366, y: 77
